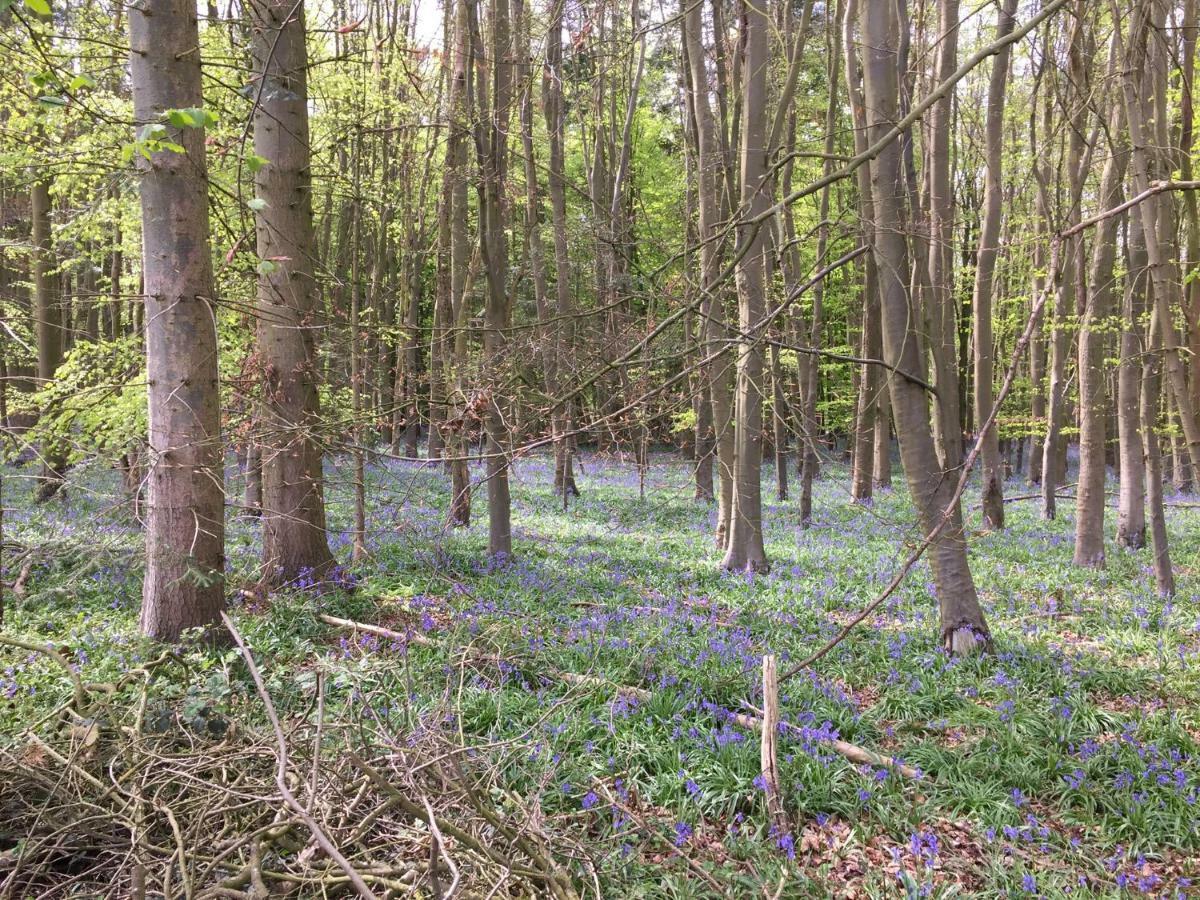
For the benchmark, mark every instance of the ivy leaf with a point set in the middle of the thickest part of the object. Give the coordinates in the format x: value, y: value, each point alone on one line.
x: 258, y: 204
x: 266, y: 267
x: 254, y: 162
x: 41, y: 7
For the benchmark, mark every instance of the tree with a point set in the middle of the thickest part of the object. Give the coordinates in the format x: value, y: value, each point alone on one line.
x: 49, y: 329
x: 985, y: 270
x: 963, y: 628
x: 185, y: 529
x: 745, y: 549
x: 293, y: 504
x: 712, y: 307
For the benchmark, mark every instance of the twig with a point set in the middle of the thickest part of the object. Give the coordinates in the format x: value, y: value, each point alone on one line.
x: 377, y: 630
x: 281, y: 770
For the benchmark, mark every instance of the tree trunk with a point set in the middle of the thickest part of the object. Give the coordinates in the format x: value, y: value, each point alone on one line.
x: 963, y: 628
x: 494, y: 252
x: 943, y: 313
x: 563, y: 415
x: 185, y: 527
x: 1164, y: 576
x: 295, y: 544
x: 49, y: 330
x: 1090, y: 502
x: 745, y: 551
x: 992, y: 468
x: 712, y: 308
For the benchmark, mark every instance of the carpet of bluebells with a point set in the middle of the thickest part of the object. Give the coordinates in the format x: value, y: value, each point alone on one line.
x: 1063, y: 764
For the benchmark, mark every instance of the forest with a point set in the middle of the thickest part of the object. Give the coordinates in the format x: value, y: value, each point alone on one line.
x: 599, y: 449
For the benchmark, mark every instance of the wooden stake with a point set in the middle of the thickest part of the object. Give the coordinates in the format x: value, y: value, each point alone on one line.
x: 769, y: 731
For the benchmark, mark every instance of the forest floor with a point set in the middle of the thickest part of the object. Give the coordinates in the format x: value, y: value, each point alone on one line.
x: 1064, y: 763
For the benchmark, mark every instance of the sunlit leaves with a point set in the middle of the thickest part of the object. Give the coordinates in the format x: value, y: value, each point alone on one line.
x: 38, y: 7
x: 194, y: 117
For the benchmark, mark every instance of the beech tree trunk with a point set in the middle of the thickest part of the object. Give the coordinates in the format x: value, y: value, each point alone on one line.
x: 1131, y: 499
x: 712, y: 307
x: 48, y: 326
x: 992, y: 466
x: 942, y: 312
x: 1090, y: 497
x: 745, y: 551
x: 963, y: 628
x: 295, y: 544
x: 563, y: 415
x: 185, y: 527
x: 494, y: 252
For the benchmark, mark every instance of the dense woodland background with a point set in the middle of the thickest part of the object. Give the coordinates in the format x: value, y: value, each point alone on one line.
x: 513, y: 448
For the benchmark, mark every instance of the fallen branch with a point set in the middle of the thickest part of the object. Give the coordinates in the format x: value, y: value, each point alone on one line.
x: 281, y: 770
x: 856, y: 754
x: 377, y: 630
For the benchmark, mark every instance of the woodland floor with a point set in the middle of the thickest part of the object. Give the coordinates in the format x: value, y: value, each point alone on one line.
x: 1065, y: 763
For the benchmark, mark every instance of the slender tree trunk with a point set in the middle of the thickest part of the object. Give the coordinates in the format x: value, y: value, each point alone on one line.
x: 810, y: 461
x: 745, y: 551
x: 1054, y: 452
x: 1156, y: 212
x: 295, y: 544
x: 712, y: 308
x: 563, y: 416
x: 494, y: 250
x: 49, y: 329
x: 1164, y: 576
x: 942, y: 313
x: 992, y: 468
x: 963, y: 628
x: 779, y: 423
x: 1131, y: 502
x: 185, y: 528
x: 1091, y: 501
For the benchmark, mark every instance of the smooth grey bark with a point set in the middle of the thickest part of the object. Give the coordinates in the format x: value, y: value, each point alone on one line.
x: 1090, y: 496
x: 714, y: 345
x: 1157, y: 212
x: 745, y: 550
x: 810, y: 461
x: 963, y: 629
x: 48, y: 327
x: 991, y: 465
x: 493, y: 245
x: 295, y: 542
x: 553, y: 107
x: 1131, y: 499
x: 942, y: 313
x: 185, y: 528
x: 1054, y: 450
x: 1164, y: 576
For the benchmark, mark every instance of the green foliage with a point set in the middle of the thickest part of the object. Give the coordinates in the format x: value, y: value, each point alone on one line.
x: 96, y: 404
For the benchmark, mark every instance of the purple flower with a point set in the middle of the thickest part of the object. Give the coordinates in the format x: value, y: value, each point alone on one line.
x: 683, y: 833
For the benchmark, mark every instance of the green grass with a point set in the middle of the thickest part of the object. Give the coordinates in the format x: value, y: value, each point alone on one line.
x: 1064, y: 763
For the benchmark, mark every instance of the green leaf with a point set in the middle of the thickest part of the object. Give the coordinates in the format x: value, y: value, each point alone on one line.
x: 41, y: 7
x: 81, y: 81
x: 4, y: 5
x: 152, y: 132
x: 266, y: 267
x: 254, y: 162
x: 50, y: 100
x: 172, y: 146
x: 192, y: 117
x: 257, y: 204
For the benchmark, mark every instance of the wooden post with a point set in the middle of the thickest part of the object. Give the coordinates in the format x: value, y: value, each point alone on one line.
x: 769, y: 732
